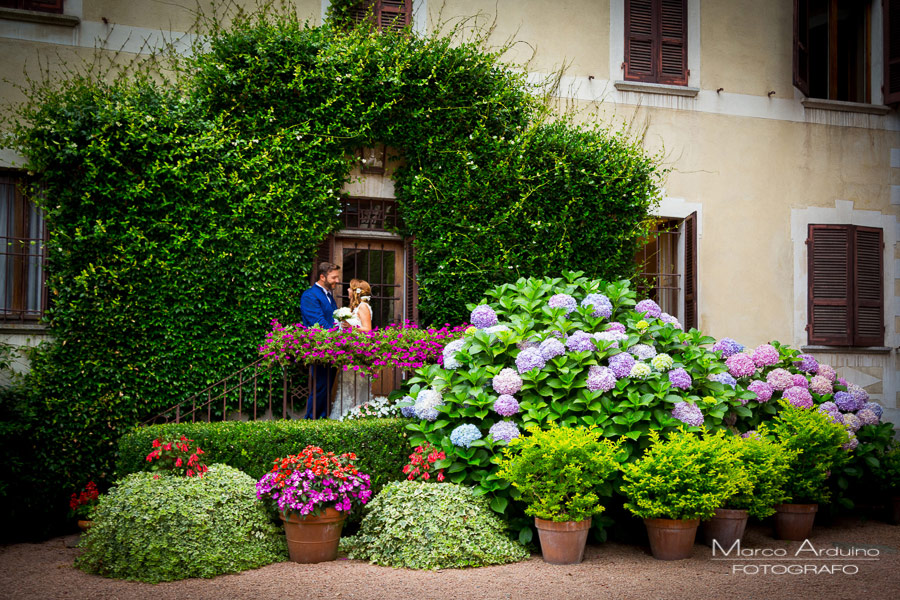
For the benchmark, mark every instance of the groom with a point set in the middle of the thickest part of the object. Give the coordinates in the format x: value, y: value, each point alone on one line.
x: 317, y: 306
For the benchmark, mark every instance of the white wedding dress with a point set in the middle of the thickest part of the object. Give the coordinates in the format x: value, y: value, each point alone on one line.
x: 353, y: 389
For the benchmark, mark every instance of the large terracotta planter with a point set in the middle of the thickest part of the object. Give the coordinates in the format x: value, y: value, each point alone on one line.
x: 562, y: 543
x: 726, y: 527
x: 672, y: 539
x: 794, y: 521
x: 313, y: 539
x: 85, y: 524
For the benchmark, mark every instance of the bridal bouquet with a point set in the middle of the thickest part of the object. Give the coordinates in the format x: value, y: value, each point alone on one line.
x: 342, y: 314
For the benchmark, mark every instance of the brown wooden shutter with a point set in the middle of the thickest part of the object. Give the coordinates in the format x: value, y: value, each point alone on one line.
x: 393, y: 15
x: 325, y: 253
x: 690, y: 272
x: 412, y: 283
x: 673, y: 42
x: 868, y: 280
x: 891, y: 51
x: 801, y: 45
x: 829, y: 248
x: 363, y: 10
x: 640, y: 47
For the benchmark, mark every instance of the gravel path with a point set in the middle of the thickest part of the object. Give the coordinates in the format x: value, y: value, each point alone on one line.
x: 613, y: 570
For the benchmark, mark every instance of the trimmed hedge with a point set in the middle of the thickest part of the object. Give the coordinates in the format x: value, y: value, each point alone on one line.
x: 252, y: 446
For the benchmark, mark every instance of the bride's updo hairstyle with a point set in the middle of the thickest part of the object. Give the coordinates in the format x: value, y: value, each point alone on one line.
x: 358, y: 289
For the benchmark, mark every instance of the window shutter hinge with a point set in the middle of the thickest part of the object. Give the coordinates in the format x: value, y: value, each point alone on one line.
x: 623, y: 66
x: 808, y: 241
x: 807, y: 328
x: 688, y: 72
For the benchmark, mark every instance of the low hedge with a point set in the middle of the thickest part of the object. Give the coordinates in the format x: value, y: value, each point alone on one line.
x: 252, y: 446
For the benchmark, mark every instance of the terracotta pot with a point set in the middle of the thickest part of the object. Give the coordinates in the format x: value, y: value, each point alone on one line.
x: 85, y: 524
x: 313, y: 539
x: 672, y: 539
x: 562, y: 543
x: 726, y: 527
x: 794, y: 521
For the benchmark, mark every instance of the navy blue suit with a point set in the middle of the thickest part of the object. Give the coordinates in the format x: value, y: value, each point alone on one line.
x: 318, y: 309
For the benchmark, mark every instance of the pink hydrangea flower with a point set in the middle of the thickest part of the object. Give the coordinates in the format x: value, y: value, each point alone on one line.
x: 762, y: 390
x: 765, y: 355
x: 800, y: 380
x: 820, y: 385
x: 799, y: 397
x: 780, y: 379
x: 827, y: 371
x: 740, y: 365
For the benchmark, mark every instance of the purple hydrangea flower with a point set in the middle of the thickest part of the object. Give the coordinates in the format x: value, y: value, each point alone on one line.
x: 835, y: 416
x: 688, y: 413
x: 780, y: 379
x: 874, y: 407
x: 762, y: 390
x: 649, y: 307
x: 529, y: 343
x: 507, y: 381
x: 828, y: 371
x: 765, y: 355
x: 740, y: 365
x: 601, y: 304
x: 642, y: 351
x: 751, y: 434
x: 504, y: 431
x: 449, y: 354
x: 483, y: 316
x: 867, y: 417
x: 529, y: 359
x: 800, y: 380
x: 807, y: 363
x: 562, y: 301
x: 408, y: 411
x: 724, y: 379
x: 829, y: 406
x: 820, y: 385
x: 799, y: 397
x: 681, y: 379
x: 558, y: 335
x: 640, y: 370
x: 550, y: 348
x: 669, y: 319
x: 506, y: 406
x: 852, y: 422
x: 846, y: 402
x: 728, y: 347
x: 861, y: 395
x: 621, y: 364
x: 852, y: 443
x: 615, y: 326
x: 581, y: 341
x: 842, y: 381
x: 600, y: 379
x: 464, y: 435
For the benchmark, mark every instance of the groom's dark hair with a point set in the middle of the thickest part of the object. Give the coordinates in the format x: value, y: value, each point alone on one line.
x: 325, y: 268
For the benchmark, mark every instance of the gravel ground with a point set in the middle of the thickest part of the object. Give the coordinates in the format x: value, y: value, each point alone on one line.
x: 611, y: 570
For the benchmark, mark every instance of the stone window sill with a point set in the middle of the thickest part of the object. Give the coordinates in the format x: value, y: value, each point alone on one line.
x: 847, y: 349
x: 34, y: 16
x: 840, y: 105
x: 657, y: 88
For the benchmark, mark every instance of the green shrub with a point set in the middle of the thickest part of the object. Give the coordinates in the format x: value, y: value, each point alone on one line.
x: 163, y: 527
x: 252, y: 446
x: 559, y: 472
x: 685, y: 476
x: 767, y: 467
x: 421, y: 525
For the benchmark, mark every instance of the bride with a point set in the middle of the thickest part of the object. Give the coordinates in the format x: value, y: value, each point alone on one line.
x: 353, y: 389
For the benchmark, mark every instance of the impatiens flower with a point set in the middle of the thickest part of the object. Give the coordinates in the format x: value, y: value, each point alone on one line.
x: 507, y: 381
x: 762, y: 390
x: 740, y: 365
x: 807, y: 363
x: 852, y: 422
x: 550, y: 348
x: 669, y: 319
x: 828, y: 371
x: 506, y: 405
x: 600, y: 303
x: 662, y: 362
x: 799, y: 397
x: 483, y: 316
x: 820, y: 385
x: 529, y: 359
x: 799, y: 380
x: 780, y: 379
x: 504, y: 431
x: 724, y: 379
x: 728, y: 347
x: 765, y: 355
x: 649, y: 308
x: 875, y: 408
x: 642, y: 351
x: 640, y: 370
x: 621, y: 364
x: 563, y: 301
x: 615, y: 326
x: 464, y: 435
x: 688, y: 413
x: 426, y: 404
x: 449, y: 354
x: 581, y: 341
x: 867, y: 417
x: 681, y: 379
x: 852, y: 443
x: 846, y: 402
x: 600, y: 379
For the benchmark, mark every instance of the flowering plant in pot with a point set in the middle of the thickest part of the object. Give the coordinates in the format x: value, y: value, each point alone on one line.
x: 314, y: 491
x: 560, y: 473
x: 82, y: 504
x: 818, y: 442
x: 680, y: 480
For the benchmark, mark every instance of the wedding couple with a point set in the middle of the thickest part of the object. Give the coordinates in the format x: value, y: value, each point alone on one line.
x: 317, y: 306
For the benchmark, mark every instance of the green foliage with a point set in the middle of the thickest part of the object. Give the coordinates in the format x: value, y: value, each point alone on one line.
x: 419, y: 525
x: 253, y: 446
x: 685, y: 476
x: 818, y: 441
x: 872, y: 469
x: 766, y: 466
x: 561, y: 472
x: 162, y: 527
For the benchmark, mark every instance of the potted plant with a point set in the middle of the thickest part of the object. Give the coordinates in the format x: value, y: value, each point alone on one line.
x: 765, y: 467
x: 818, y: 442
x: 678, y: 482
x: 888, y: 479
x: 82, y: 505
x: 560, y: 473
x: 314, y: 491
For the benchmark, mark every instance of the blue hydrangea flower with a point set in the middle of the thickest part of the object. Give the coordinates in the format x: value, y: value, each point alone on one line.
x: 610, y: 335
x: 728, y: 347
x: 504, y: 431
x: 483, y: 316
x: 464, y: 435
x: 408, y: 411
x: 688, y: 413
x: 529, y: 359
x: 600, y: 303
x: 581, y: 341
x: 550, y: 348
x: 807, y: 363
x: 495, y: 329
x: 642, y: 351
x: 563, y: 301
x: 449, y: 354
x: 506, y: 405
x: 847, y: 402
x: 426, y: 404
x: 874, y: 407
x: 724, y: 379
x: 649, y: 308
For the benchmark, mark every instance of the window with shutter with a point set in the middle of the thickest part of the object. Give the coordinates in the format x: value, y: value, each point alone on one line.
x: 48, y: 6
x: 660, y: 277
x: 656, y: 41
x: 393, y: 15
x: 845, y: 298
x: 412, y: 283
x: 891, y: 18
x: 23, y: 235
